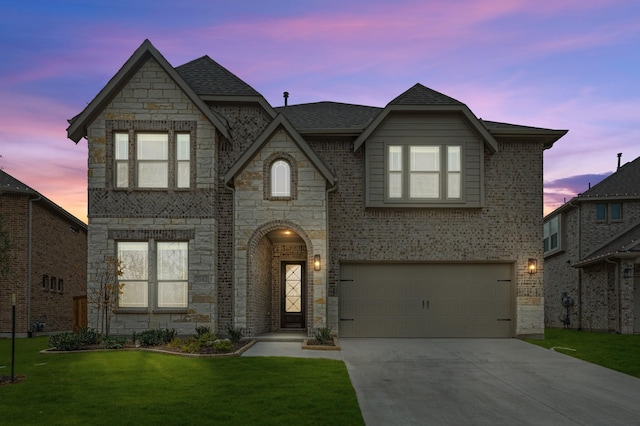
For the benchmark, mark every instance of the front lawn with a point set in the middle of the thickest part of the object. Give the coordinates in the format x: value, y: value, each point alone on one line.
x: 619, y: 352
x: 134, y: 387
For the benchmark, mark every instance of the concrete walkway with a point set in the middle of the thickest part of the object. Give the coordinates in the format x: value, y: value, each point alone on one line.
x: 475, y: 382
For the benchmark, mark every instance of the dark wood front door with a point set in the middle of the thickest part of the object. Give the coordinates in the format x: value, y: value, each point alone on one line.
x: 293, y: 290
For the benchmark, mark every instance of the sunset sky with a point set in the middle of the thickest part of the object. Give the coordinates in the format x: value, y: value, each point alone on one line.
x: 563, y: 64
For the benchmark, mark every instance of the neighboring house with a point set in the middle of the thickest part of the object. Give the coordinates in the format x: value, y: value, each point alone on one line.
x: 417, y: 219
x: 47, y: 263
x: 591, y: 247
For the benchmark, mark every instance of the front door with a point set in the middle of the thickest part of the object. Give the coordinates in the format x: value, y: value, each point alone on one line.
x: 292, y: 315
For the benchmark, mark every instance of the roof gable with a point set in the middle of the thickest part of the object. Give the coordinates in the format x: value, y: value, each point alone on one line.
x: 422, y: 99
x: 208, y: 78
x: 279, y: 121
x: 78, y: 125
x: 623, y: 245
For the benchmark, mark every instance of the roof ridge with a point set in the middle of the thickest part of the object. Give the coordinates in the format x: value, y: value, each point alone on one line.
x: 419, y: 94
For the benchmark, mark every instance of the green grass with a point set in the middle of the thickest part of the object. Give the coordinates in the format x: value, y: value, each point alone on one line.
x: 619, y: 352
x: 133, y: 387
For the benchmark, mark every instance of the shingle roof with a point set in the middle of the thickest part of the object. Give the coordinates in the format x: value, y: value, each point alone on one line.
x: 624, y: 245
x: 10, y: 184
x: 208, y: 78
x: 624, y: 182
x: 421, y: 95
x: 329, y: 115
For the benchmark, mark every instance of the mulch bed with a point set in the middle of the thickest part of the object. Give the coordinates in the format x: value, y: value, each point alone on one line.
x: 6, y: 380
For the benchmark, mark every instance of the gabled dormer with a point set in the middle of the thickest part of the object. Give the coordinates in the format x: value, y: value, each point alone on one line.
x: 425, y: 149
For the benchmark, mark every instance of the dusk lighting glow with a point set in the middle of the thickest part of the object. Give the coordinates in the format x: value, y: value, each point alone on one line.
x: 570, y: 64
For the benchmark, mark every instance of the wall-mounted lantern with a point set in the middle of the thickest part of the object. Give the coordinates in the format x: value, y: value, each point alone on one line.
x: 628, y: 272
x: 532, y: 266
x: 316, y: 262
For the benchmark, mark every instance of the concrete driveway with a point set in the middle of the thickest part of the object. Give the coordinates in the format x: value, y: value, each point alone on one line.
x: 484, y: 382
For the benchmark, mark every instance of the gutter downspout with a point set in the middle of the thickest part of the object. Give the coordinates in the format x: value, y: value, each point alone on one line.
x: 579, y: 206
x: 29, y: 260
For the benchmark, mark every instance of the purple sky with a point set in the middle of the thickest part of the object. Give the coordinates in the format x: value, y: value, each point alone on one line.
x: 566, y: 64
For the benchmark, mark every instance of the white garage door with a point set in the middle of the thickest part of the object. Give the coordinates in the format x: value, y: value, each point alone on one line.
x: 426, y: 300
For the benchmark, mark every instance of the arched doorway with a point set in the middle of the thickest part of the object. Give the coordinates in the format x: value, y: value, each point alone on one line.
x: 279, y: 279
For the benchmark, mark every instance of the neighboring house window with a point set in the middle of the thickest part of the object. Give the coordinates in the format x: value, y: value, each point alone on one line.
x: 552, y: 235
x: 160, y: 160
x: 60, y: 285
x: 280, y: 179
x: 165, y: 275
x: 52, y: 283
x: 611, y: 212
x: 420, y: 172
x: 616, y: 212
x: 45, y: 282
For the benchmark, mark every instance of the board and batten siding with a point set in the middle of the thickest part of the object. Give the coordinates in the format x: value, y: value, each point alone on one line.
x: 425, y: 129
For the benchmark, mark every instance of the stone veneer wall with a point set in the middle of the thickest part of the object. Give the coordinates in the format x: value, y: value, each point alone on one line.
x: 507, y: 228
x: 254, y: 217
x: 152, y: 101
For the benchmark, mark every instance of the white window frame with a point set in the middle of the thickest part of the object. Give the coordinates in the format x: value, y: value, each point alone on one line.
x: 280, y: 174
x: 438, y: 168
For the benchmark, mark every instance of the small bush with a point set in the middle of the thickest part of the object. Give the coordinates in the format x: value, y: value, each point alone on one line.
x: 190, y: 345
x: 157, y: 337
x: 66, y: 342
x: 113, y: 342
x: 235, y: 334
x: 202, y: 330
x: 207, y: 339
x: 323, y: 334
x: 88, y: 336
x: 223, y: 345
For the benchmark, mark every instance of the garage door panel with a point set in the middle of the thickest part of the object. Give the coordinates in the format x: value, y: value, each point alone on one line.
x: 426, y: 300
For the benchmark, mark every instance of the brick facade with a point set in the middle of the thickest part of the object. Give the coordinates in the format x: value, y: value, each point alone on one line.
x: 230, y: 222
x: 58, y: 253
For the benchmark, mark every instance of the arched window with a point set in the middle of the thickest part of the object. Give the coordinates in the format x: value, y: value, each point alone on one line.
x: 280, y: 179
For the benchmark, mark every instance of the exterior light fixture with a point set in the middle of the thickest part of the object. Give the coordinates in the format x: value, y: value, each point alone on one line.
x: 628, y: 273
x: 316, y: 262
x: 532, y: 266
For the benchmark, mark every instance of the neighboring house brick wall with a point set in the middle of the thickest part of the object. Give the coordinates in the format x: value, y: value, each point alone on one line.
x: 56, y: 251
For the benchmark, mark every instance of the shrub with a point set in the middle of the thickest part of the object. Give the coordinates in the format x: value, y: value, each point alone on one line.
x: 65, y: 342
x: 235, y: 334
x: 323, y: 334
x: 223, y: 345
x: 207, y: 339
x: 190, y: 345
x: 113, y: 342
x: 157, y: 337
x: 87, y: 336
x: 202, y: 330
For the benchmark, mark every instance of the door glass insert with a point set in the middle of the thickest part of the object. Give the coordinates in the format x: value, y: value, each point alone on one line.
x: 293, y: 288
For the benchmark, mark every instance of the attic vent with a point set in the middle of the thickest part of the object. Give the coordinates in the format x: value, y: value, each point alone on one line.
x: 74, y: 229
x: 286, y: 96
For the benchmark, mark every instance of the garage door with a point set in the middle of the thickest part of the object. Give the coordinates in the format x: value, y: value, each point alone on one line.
x: 426, y: 300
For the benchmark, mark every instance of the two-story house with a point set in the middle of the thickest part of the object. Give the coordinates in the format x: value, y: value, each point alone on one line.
x: 416, y: 219
x: 44, y: 269
x: 590, y: 252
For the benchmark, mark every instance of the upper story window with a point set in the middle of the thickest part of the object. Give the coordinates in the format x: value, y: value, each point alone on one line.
x: 608, y: 212
x: 280, y: 179
x: 424, y: 172
x: 552, y: 238
x: 154, y: 160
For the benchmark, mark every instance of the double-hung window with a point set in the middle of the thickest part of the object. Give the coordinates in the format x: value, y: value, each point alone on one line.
x: 423, y: 173
x: 156, y: 160
x: 157, y: 271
